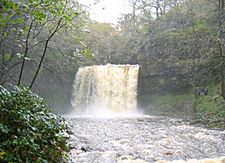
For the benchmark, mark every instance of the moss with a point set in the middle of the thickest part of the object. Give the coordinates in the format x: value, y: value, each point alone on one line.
x: 210, y: 109
x: 172, y: 104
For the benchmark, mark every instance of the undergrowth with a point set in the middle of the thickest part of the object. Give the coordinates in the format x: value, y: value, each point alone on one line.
x: 28, y: 131
x: 172, y: 104
x: 210, y: 109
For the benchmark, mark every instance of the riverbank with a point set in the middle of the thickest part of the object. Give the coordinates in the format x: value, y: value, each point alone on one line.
x: 206, y: 110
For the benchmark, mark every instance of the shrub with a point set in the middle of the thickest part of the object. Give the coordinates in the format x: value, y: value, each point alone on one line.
x: 211, y: 110
x: 28, y: 131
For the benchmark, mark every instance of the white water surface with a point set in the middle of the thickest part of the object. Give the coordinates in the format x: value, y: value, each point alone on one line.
x: 141, y: 138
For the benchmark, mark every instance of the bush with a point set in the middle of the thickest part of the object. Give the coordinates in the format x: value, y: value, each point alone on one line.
x: 210, y: 110
x: 28, y: 131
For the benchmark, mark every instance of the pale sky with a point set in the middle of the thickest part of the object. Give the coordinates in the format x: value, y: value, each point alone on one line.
x: 107, y: 10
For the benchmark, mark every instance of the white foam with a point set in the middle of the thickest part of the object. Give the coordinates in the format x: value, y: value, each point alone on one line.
x: 105, y: 90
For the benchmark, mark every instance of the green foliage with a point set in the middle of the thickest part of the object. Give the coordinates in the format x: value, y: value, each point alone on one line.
x: 171, y: 104
x: 87, y: 53
x: 212, y: 104
x: 29, y: 132
x: 210, y: 109
x: 26, y: 26
x: 169, y: 100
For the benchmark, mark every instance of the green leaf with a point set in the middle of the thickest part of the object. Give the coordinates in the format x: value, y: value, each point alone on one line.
x: 88, y: 54
x: 7, y: 57
x: 28, y: 130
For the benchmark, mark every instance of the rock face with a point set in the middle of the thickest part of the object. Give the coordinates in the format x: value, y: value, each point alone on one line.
x: 143, y: 139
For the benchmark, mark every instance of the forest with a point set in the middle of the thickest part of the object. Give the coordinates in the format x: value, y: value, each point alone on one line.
x: 178, y: 44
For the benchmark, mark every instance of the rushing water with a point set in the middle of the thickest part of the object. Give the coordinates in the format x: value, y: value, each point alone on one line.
x: 129, y: 139
x: 141, y: 139
x: 110, y: 88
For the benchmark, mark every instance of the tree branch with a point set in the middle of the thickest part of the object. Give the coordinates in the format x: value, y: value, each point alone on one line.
x: 44, y: 52
x: 26, y: 52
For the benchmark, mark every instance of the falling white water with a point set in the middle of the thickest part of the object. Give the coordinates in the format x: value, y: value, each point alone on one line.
x: 106, y: 88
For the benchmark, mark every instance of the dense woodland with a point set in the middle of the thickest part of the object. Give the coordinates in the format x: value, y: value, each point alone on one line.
x: 179, y: 45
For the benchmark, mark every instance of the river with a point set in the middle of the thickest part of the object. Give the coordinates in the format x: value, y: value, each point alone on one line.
x: 141, y: 139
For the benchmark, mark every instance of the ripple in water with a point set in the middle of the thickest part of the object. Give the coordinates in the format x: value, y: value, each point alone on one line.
x: 141, y: 139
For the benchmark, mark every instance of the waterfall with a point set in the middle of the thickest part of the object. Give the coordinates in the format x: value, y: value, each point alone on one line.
x: 111, y: 88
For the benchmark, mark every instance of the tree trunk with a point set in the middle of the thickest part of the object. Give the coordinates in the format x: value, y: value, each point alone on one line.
x: 44, y: 52
x: 221, y: 49
x: 222, y: 80
x: 157, y: 9
x: 25, y: 53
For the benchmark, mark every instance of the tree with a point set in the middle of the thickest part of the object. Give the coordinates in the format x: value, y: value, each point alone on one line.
x: 101, y: 41
x: 221, y: 40
x: 39, y: 21
x: 11, y: 30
